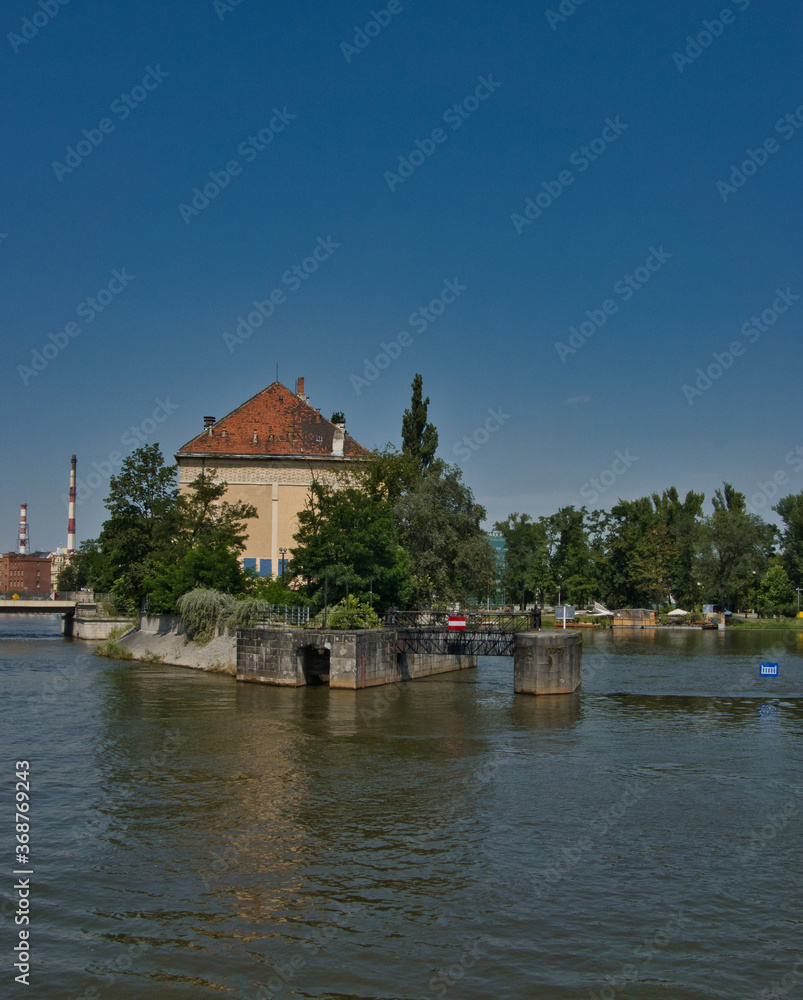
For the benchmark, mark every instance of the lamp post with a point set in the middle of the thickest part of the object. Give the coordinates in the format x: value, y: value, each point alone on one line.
x: 282, y: 560
x: 755, y: 586
x: 798, y: 600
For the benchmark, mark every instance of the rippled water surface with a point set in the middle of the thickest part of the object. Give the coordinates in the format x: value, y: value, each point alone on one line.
x: 194, y: 837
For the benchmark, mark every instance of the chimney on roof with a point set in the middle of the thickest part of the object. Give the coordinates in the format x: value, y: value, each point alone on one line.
x: 208, y: 421
x: 300, y: 389
x: 339, y: 440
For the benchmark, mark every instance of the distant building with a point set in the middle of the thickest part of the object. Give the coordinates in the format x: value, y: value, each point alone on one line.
x: 28, y: 574
x: 634, y: 618
x: 268, y: 450
x: 59, y: 560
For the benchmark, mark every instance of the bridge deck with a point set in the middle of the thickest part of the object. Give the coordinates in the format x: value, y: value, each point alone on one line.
x: 470, y: 642
x: 38, y: 607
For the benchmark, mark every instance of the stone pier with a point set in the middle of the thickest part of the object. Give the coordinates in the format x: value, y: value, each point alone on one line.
x: 342, y: 659
x: 547, y: 662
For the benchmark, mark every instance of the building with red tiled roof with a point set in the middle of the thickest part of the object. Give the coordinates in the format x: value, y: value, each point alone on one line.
x: 268, y: 450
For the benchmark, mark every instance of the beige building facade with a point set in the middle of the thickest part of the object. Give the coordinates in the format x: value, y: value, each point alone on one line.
x: 268, y: 451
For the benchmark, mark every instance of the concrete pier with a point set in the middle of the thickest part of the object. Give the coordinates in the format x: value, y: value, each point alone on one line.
x: 342, y: 659
x: 547, y: 662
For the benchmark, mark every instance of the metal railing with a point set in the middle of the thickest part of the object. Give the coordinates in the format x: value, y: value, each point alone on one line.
x: 285, y: 614
x: 491, y: 622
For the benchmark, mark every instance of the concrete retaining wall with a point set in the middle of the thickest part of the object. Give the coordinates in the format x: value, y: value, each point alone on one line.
x: 547, y: 662
x: 94, y: 628
x: 162, y: 638
x: 343, y: 659
x: 423, y: 664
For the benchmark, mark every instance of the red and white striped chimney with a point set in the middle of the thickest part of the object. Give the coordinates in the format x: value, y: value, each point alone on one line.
x: 23, y: 529
x: 71, y: 512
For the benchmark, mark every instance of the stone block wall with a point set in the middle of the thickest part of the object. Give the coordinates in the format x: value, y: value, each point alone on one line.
x: 547, y: 662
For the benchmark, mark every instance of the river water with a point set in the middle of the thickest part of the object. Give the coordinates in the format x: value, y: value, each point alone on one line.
x: 192, y: 837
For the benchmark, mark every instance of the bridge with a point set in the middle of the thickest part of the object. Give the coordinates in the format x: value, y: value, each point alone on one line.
x: 38, y: 607
x: 473, y: 633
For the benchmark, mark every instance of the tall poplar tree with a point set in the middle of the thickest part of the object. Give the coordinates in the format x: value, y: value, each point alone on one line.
x: 419, y: 438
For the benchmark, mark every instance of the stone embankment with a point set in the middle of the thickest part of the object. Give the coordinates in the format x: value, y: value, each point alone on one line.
x: 162, y: 639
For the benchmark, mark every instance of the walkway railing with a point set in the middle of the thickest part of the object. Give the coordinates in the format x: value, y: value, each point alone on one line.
x: 491, y: 622
x: 285, y: 614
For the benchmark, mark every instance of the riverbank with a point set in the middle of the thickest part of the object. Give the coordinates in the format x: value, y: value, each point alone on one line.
x: 162, y: 639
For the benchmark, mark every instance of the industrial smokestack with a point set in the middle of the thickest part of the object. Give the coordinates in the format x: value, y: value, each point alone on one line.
x: 71, y: 513
x: 23, y: 529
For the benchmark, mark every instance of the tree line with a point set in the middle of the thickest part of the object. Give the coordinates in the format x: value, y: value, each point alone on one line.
x: 659, y: 550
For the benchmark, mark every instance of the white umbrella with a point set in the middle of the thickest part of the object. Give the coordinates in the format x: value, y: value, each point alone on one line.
x: 678, y: 612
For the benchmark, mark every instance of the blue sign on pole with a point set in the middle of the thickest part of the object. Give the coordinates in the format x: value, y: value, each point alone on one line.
x: 769, y: 669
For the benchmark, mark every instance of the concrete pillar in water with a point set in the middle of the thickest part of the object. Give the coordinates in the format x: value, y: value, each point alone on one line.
x: 547, y: 662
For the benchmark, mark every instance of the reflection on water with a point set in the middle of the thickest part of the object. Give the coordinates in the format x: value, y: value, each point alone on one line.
x: 442, y: 838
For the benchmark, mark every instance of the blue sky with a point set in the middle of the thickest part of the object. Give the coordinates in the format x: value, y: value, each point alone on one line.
x: 301, y: 130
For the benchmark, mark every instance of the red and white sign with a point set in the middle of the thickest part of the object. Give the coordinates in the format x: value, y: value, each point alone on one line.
x: 456, y: 622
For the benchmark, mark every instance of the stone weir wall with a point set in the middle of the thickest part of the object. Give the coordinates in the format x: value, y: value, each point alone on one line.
x: 341, y: 659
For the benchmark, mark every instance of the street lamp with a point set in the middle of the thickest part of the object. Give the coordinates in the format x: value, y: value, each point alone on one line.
x: 282, y: 560
x: 755, y: 585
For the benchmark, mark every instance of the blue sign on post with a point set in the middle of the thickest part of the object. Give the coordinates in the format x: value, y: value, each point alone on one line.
x: 769, y: 669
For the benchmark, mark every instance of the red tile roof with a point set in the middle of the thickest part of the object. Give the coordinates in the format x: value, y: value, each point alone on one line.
x: 275, y: 422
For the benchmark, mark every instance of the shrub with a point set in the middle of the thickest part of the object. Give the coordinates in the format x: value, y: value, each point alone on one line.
x: 203, y: 611
x: 351, y: 613
x: 247, y: 612
x: 112, y: 649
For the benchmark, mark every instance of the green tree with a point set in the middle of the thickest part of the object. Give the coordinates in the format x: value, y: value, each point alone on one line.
x: 346, y: 542
x: 790, y: 510
x: 438, y: 524
x: 571, y: 564
x: 142, y: 525
x: 526, y: 574
x: 776, y: 595
x: 419, y: 438
x: 683, y: 519
x: 735, y: 545
x: 210, y: 535
x: 159, y: 544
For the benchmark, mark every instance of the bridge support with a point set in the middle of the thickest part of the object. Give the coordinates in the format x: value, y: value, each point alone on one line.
x: 547, y: 662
